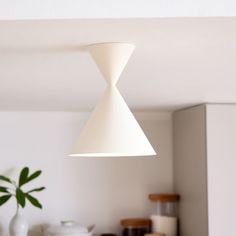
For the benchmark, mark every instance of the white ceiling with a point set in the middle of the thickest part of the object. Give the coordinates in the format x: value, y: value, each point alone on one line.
x: 81, y: 9
x: 177, y: 62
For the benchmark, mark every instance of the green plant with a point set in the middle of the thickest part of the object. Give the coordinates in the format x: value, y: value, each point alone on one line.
x: 15, y: 189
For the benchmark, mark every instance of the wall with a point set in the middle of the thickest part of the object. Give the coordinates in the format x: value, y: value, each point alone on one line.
x: 221, y: 152
x: 190, y: 171
x: 89, y: 190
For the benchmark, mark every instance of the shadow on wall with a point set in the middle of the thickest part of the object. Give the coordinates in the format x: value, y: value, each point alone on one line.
x: 8, y: 172
x: 1, y: 229
x: 38, y: 230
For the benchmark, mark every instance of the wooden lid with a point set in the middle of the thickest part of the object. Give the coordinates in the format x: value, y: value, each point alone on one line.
x: 155, y: 197
x: 155, y: 234
x: 136, y: 222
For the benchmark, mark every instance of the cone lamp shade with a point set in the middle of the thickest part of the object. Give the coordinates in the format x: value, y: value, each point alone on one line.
x: 112, y: 130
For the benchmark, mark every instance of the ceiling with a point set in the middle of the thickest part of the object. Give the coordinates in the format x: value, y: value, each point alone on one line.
x: 178, y: 62
x: 90, y: 9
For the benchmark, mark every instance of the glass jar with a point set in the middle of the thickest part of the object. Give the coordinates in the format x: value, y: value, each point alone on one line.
x: 136, y: 227
x: 165, y: 219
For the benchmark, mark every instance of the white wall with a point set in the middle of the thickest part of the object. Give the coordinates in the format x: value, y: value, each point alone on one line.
x: 89, y: 190
x: 190, y: 171
x: 221, y: 152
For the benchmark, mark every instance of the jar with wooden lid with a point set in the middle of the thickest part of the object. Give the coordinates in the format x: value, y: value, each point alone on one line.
x: 136, y: 226
x: 165, y: 219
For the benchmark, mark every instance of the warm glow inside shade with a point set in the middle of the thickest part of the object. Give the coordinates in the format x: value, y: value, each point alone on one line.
x: 112, y: 130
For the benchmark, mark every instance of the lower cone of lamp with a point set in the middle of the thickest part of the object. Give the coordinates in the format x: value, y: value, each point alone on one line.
x: 112, y: 131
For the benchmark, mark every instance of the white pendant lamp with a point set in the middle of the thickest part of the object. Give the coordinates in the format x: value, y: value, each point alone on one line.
x: 112, y: 130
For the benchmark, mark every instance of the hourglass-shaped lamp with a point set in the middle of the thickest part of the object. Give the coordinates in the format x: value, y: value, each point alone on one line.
x: 112, y: 130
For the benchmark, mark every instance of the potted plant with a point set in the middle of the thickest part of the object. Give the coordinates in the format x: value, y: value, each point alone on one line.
x: 13, y: 189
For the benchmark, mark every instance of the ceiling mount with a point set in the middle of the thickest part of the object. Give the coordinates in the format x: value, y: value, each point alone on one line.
x: 112, y: 130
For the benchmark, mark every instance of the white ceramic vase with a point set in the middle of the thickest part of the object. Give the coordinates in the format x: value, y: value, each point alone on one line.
x: 18, y: 225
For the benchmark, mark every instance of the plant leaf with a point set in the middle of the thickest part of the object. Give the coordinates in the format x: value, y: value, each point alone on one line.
x: 20, y: 197
x: 6, y: 179
x: 35, y: 202
x: 4, y: 198
x: 34, y: 175
x: 36, y: 190
x: 3, y: 189
x: 23, y: 176
x: 31, y: 177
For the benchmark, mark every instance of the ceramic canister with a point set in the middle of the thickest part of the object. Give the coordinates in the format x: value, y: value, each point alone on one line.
x: 68, y: 228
